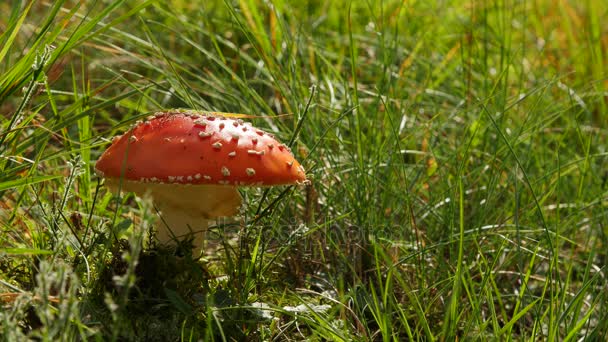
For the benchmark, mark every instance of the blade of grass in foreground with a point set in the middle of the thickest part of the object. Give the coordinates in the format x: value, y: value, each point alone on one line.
x: 25, y: 251
x: 8, y: 36
x: 12, y: 184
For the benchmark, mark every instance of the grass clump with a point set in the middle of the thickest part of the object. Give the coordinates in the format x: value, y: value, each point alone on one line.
x: 457, y: 157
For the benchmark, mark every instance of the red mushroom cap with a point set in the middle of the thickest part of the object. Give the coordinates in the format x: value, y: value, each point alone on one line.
x: 199, y: 148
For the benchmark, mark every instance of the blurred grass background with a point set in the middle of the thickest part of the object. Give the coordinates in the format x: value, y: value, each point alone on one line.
x: 457, y: 153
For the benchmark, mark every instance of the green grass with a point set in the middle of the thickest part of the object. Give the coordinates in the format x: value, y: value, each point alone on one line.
x: 456, y: 152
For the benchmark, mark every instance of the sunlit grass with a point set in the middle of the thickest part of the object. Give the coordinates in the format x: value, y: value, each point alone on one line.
x: 456, y: 151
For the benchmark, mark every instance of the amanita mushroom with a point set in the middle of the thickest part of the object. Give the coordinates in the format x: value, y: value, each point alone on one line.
x: 191, y: 164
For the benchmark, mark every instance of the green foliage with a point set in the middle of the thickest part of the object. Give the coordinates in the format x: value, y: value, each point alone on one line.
x: 456, y: 151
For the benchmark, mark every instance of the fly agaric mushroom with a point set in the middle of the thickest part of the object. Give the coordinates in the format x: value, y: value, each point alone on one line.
x: 191, y: 164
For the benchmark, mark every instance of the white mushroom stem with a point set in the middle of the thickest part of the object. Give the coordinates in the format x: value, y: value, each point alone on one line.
x: 185, y: 209
x: 176, y: 225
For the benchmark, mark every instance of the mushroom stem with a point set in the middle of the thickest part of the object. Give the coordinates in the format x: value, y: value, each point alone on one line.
x: 177, y: 225
x: 185, y: 209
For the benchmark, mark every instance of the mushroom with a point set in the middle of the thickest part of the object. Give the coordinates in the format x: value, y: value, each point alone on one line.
x: 191, y: 164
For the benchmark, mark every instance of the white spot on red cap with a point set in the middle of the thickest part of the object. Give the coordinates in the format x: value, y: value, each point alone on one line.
x: 200, y: 122
x: 217, y: 145
x: 254, y: 152
x: 205, y: 134
x: 232, y: 154
x: 250, y: 172
x: 225, y: 171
